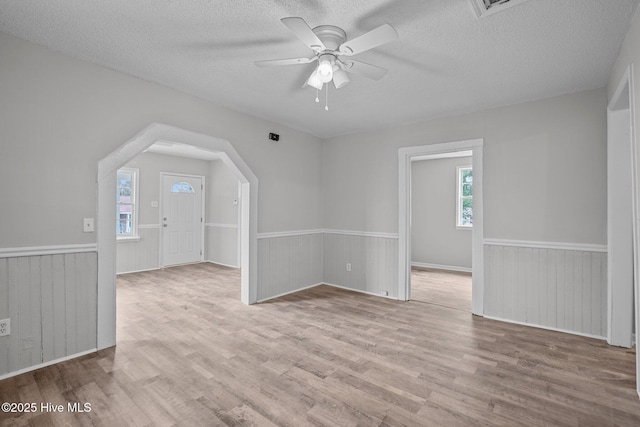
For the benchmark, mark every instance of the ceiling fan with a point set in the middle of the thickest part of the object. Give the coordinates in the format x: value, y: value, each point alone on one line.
x: 332, y: 50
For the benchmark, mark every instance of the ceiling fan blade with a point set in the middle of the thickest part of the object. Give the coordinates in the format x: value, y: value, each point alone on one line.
x: 304, y: 32
x: 374, y: 38
x: 278, y: 62
x: 363, y: 69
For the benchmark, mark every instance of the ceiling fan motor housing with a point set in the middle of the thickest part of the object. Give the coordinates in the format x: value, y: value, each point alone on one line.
x: 331, y: 36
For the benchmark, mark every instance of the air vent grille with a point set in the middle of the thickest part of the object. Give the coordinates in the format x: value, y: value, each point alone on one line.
x: 491, y: 3
x: 489, y: 7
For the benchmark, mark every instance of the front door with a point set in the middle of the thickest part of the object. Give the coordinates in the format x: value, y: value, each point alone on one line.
x: 182, y: 220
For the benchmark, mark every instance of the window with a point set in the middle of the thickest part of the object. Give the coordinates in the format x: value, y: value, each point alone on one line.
x: 464, y: 211
x: 126, y: 198
x: 182, y: 187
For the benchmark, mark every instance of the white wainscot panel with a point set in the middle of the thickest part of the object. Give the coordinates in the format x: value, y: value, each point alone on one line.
x: 51, y: 301
x: 221, y: 244
x: 559, y: 289
x: 141, y: 254
x: 288, y: 263
x: 373, y: 261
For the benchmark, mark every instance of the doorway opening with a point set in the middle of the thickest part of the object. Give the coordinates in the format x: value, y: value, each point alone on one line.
x: 106, y: 232
x: 441, y: 227
x: 408, y: 155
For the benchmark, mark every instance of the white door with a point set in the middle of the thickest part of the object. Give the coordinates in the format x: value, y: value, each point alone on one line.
x: 182, y: 219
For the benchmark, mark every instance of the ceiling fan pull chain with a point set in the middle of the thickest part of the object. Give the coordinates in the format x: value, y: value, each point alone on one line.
x: 317, y: 97
x: 326, y: 99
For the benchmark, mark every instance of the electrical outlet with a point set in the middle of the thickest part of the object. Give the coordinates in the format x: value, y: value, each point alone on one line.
x: 348, y: 266
x: 5, y: 327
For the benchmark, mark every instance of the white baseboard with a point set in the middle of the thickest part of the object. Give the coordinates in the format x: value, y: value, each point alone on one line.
x: 290, y: 292
x: 160, y: 268
x: 328, y: 284
x: 361, y: 291
x: 441, y: 267
x: 221, y: 264
x: 549, y: 328
x: 45, y: 364
x: 138, y: 271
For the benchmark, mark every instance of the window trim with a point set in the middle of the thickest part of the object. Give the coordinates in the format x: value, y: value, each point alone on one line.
x: 134, y: 205
x: 459, y: 197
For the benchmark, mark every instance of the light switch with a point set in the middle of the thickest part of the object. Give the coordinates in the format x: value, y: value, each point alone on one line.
x: 154, y: 204
x: 87, y: 225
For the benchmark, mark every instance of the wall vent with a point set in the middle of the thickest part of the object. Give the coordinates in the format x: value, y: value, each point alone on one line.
x: 489, y: 7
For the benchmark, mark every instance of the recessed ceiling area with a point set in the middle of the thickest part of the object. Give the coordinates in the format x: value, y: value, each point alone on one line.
x: 183, y: 150
x: 446, y: 61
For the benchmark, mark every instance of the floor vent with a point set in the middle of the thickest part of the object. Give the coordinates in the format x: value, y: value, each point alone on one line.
x: 489, y: 7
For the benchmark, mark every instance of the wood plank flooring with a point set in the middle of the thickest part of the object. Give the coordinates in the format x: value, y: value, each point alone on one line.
x: 446, y: 288
x: 189, y: 353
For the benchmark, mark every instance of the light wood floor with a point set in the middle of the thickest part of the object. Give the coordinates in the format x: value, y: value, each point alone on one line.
x: 189, y: 353
x: 446, y: 288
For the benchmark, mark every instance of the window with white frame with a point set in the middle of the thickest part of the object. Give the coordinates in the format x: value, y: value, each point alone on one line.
x: 126, y: 203
x: 464, y: 211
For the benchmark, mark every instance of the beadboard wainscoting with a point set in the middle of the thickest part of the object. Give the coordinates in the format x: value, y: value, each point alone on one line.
x: 50, y: 297
x: 550, y: 285
x: 288, y: 262
x: 372, y: 259
x: 140, y: 254
x: 221, y: 244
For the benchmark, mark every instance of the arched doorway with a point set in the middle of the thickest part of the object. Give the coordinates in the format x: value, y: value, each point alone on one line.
x: 106, y: 220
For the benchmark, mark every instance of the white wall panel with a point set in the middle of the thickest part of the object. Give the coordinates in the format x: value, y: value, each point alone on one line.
x: 51, y: 301
x: 139, y: 255
x: 288, y: 263
x: 560, y: 289
x: 373, y: 259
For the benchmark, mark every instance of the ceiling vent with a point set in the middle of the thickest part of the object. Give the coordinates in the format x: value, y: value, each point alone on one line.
x: 489, y: 7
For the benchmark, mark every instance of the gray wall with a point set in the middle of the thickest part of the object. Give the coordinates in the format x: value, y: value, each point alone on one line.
x: 60, y: 116
x: 435, y: 239
x: 543, y: 162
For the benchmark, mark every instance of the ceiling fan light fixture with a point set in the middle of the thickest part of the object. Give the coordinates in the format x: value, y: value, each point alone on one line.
x: 314, y: 80
x: 340, y: 78
x: 325, y: 68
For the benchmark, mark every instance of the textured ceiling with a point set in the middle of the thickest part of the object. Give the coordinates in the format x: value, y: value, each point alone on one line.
x: 446, y: 61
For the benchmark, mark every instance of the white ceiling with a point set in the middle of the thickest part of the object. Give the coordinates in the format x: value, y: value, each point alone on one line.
x: 446, y: 61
